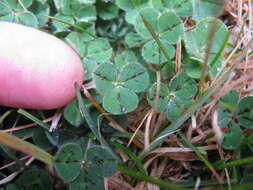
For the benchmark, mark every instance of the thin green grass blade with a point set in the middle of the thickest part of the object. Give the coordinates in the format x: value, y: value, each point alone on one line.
x: 161, y: 183
x: 156, y: 38
x: 224, y: 44
x: 136, y: 160
x: 85, y: 113
x: 33, y: 118
x: 197, y: 151
x: 26, y: 147
x: 223, y: 164
x: 5, y: 115
x: 78, y: 28
x: 245, y: 186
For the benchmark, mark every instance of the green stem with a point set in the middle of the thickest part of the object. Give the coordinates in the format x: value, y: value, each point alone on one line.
x: 161, y: 183
x: 233, y: 163
x: 156, y: 38
x: 78, y: 28
x: 34, y: 119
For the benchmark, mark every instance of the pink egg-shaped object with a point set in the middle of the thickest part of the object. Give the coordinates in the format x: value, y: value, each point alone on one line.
x: 37, y: 70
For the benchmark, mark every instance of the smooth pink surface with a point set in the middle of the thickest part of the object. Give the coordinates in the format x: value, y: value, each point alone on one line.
x: 37, y: 70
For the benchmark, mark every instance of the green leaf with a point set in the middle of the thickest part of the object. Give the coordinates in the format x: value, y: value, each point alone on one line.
x: 120, y: 100
x: 175, y: 98
x: 230, y: 101
x: 245, y: 118
x: 87, y: 181
x: 150, y: 15
x: 68, y: 161
x: 130, y: 4
x: 134, y: 77
x: 35, y: 178
x: 170, y: 27
x: 228, y: 108
x: 193, y: 68
x: 90, y: 122
x: 59, y: 26
x: 7, y: 18
x: 207, y: 8
x: 28, y: 19
x: 70, y: 7
x: 14, y: 4
x: 124, y: 58
x: 107, y: 10
x: 196, y: 42
x: 99, y: 50
x: 134, y: 40
x: 101, y: 161
x: 151, y: 52
x: 73, y: 115
x: 181, y: 91
x: 132, y: 14
x: 90, y: 67
x: 233, y: 138
x: 41, y: 10
x: 78, y: 41
x: 180, y: 7
x: 86, y: 13
x: 40, y: 139
x: 163, y: 98
x: 5, y: 9
x: 105, y: 76
x: 87, y: 1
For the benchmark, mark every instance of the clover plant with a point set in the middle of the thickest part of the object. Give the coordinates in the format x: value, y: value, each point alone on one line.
x: 234, y: 115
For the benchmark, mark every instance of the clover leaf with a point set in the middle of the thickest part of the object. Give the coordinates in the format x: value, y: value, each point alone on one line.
x: 41, y: 10
x: 196, y: 42
x: 151, y: 15
x: 124, y: 58
x: 15, y: 5
x: 180, y: 7
x: 87, y: 181
x: 245, y: 118
x: 68, y: 161
x: 101, y: 161
x: 233, y: 138
x: 168, y: 28
x: 232, y: 115
x: 207, y: 8
x: 93, y: 52
x: 151, y: 52
x: 120, y: 100
x: 176, y: 97
x: 120, y: 85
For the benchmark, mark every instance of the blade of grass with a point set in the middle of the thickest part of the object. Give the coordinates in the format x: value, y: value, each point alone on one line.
x: 222, y: 165
x: 85, y: 113
x: 218, y: 54
x: 78, y: 28
x: 195, y: 106
x: 136, y: 160
x: 155, y: 37
x: 5, y: 115
x: 204, y: 69
x: 161, y: 183
x: 200, y: 155
x: 26, y: 147
x: 245, y: 186
x: 33, y: 118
